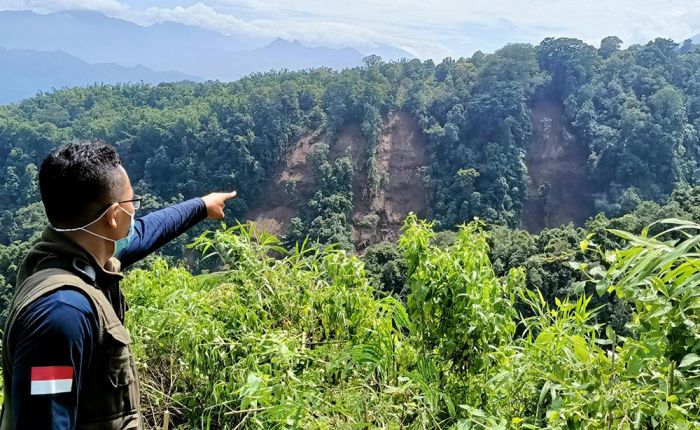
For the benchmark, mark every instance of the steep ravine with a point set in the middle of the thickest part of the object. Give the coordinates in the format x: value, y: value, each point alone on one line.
x: 558, y: 191
x: 400, y: 154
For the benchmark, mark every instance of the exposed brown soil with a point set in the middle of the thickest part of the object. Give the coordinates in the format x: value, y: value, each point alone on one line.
x: 350, y: 142
x: 276, y: 207
x: 554, y: 157
x: 400, y: 153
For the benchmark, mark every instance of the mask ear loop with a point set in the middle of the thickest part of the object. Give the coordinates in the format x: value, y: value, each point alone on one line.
x: 84, y: 228
x: 126, y: 211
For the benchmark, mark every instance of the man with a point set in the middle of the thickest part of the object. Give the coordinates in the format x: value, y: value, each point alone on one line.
x: 67, y: 363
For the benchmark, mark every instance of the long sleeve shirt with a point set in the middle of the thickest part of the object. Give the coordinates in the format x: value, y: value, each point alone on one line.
x: 58, y: 331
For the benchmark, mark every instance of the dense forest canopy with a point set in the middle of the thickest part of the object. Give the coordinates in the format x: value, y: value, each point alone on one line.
x: 634, y: 110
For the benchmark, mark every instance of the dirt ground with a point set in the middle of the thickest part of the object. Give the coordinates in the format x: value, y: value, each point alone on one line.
x: 400, y: 154
x: 554, y: 157
x: 276, y: 207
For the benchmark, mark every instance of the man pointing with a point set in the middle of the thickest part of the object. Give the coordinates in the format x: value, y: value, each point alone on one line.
x: 67, y: 360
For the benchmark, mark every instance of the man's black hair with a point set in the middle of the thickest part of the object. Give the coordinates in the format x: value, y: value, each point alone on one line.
x: 77, y: 180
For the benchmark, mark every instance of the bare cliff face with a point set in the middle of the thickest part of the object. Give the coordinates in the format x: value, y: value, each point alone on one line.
x: 558, y: 192
x: 558, y: 189
x: 276, y: 206
x: 400, y: 154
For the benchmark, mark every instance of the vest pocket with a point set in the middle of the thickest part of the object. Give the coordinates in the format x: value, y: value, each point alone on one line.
x: 113, y: 399
x: 118, y: 360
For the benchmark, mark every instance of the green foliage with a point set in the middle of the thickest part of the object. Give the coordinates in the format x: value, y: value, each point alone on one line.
x: 478, y: 133
x: 385, y: 268
x: 637, y: 113
x: 635, y: 110
x: 459, y: 307
x: 301, y: 341
x: 325, y: 216
x: 297, y: 342
x: 10, y: 258
x: 570, y: 63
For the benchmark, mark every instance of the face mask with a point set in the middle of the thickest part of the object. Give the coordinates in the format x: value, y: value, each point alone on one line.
x: 119, y: 244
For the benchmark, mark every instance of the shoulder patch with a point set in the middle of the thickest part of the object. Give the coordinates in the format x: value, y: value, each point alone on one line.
x: 51, y: 380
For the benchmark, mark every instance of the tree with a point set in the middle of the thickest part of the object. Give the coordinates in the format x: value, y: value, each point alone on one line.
x: 570, y: 62
x: 608, y: 46
x: 686, y: 46
x: 371, y: 61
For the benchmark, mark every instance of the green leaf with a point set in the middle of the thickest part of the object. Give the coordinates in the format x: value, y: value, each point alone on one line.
x: 610, y: 332
x: 544, y: 337
x: 580, y: 348
x: 601, y: 288
x: 251, y: 386
x: 634, y: 366
x: 662, y: 408
x: 597, y: 272
x: 475, y: 412
x: 575, y: 265
x: 689, y: 360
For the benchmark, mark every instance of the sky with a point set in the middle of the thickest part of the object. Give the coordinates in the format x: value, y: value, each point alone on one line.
x: 425, y: 28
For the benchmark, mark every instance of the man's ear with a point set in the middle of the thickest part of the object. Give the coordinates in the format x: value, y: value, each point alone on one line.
x: 112, y: 216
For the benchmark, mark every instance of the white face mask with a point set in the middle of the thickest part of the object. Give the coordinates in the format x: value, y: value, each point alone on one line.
x: 119, y: 244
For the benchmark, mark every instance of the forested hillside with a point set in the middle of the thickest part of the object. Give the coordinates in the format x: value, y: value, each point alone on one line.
x: 628, y: 111
x: 557, y: 149
x: 529, y: 136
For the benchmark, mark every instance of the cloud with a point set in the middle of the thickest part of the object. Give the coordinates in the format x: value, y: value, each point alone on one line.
x: 311, y: 31
x: 634, y: 21
x: 199, y: 15
x: 47, y: 6
x: 426, y: 28
x: 337, y: 34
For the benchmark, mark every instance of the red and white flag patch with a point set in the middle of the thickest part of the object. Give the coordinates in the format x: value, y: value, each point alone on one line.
x: 51, y: 380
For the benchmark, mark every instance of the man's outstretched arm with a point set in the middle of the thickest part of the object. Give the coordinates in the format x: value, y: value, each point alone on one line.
x: 160, y: 227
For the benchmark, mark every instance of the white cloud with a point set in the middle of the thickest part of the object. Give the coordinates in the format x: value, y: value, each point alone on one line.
x: 198, y: 15
x: 310, y: 31
x: 337, y: 34
x: 634, y: 21
x: 47, y: 6
x: 426, y: 28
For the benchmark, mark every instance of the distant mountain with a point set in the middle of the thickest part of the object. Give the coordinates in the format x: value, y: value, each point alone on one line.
x: 24, y: 72
x: 282, y: 54
x: 97, y: 38
x: 390, y: 53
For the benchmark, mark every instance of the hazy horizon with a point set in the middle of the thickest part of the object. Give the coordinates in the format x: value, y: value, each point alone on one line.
x: 427, y: 29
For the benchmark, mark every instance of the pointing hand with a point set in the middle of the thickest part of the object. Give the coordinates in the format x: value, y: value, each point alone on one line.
x: 216, y: 202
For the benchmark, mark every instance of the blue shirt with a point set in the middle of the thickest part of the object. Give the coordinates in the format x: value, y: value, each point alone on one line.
x: 60, y: 328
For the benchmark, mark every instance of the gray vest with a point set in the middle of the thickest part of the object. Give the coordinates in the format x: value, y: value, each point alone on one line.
x: 109, y: 395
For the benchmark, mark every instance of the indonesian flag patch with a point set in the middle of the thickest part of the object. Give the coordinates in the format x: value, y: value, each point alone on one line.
x: 51, y: 380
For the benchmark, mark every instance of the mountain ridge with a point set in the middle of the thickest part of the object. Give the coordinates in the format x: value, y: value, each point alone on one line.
x: 25, y: 72
x: 165, y: 46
